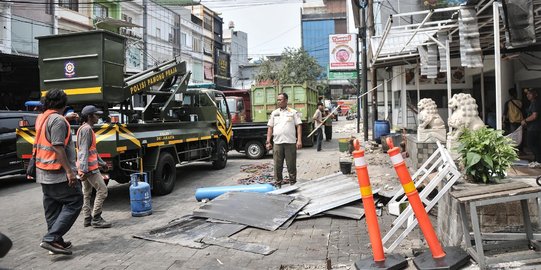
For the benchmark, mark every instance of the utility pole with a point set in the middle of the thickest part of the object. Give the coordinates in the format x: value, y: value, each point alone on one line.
x: 373, y: 70
x: 358, y: 67
x: 145, y: 35
x: 364, y: 72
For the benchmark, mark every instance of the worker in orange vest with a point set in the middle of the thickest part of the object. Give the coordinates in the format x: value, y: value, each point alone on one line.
x: 55, y: 171
x: 88, y: 165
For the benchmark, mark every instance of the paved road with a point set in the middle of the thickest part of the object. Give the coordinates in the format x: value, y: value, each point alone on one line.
x: 307, y: 244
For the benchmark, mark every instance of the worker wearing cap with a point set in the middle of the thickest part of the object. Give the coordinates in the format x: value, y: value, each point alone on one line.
x: 88, y: 166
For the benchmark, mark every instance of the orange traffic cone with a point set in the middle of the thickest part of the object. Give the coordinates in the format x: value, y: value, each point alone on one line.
x: 439, y: 259
x: 378, y: 261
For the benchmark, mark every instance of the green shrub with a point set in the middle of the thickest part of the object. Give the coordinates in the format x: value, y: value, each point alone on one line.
x: 486, y: 154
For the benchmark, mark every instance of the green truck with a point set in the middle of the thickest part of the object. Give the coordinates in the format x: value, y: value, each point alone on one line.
x: 153, y: 122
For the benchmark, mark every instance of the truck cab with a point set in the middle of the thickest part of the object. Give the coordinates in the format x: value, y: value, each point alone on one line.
x: 239, y: 104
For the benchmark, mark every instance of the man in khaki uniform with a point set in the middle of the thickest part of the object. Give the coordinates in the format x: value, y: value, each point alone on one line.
x: 283, y: 125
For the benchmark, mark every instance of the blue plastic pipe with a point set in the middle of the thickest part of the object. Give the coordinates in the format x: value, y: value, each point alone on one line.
x: 213, y: 192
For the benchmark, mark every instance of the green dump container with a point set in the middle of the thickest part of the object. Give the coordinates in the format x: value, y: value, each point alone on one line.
x: 301, y: 97
x: 89, y: 66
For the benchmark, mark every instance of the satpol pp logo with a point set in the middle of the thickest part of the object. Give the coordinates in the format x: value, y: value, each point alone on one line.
x: 69, y: 69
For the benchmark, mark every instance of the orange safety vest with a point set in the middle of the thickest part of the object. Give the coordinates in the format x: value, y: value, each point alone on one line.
x: 92, y: 151
x: 46, y: 158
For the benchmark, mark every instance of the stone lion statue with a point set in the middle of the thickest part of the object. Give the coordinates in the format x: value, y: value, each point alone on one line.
x: 464, y: 115
x: 428, y: 115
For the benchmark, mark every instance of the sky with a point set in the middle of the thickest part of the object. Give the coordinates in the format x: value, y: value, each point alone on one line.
x: 270, y: 27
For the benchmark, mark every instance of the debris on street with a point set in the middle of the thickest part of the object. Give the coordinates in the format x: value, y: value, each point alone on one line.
x: 260, y: 210
x: 262, y: 173
x: 187, y: 231
x: 238, y: 245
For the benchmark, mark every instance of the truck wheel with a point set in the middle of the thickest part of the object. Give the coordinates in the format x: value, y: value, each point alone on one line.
x: 221, y: 155
x: 164, y: 175
x: 254, y: 150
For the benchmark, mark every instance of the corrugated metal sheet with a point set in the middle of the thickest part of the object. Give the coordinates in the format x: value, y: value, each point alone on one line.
x: 470, y: 45
x: 354, y: 212
x: 327, y: 193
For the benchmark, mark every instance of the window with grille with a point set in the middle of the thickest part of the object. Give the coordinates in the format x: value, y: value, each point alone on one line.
x: 101, y: 11
x: 69, y: 4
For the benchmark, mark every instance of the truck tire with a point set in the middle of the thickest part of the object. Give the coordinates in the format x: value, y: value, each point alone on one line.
x: 221, y: 155
x: 254, y: 150
x: 164, y: 175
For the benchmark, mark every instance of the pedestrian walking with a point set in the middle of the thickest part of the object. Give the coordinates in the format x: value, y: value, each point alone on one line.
x: 318, y: 124
x: 328, y: 125
x: 55, y: 171
x: 284, y: 123
x: 88, y: 165
x: 533, y: 125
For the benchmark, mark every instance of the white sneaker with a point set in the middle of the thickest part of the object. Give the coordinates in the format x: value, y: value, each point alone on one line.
x: 534, y: 164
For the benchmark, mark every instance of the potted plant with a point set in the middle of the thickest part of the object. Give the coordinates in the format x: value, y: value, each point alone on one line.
x: 486, y: 154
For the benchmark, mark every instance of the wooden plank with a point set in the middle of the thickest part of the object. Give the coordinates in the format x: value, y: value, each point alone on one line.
x: 501, y: 194
x: 484, y: 189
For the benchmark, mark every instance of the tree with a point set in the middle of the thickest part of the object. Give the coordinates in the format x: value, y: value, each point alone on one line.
x: 268, y: 71
x: 298, y: 67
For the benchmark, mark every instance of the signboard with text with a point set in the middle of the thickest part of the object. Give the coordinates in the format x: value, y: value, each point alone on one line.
x: 342, y: 52
x: 344, y: 75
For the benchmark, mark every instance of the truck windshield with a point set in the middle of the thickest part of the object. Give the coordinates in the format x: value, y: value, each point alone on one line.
x: 232, y: 104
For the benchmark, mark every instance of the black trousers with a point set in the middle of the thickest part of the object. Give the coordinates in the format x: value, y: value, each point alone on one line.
x: 328, y: 133
x: 319, y: 138
x: 62, y: 205
x: 533, y: 137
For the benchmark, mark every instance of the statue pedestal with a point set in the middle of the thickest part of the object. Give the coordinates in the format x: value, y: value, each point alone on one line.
x: 419, y: 151
x: 451, y: 146
x: 430, y: 135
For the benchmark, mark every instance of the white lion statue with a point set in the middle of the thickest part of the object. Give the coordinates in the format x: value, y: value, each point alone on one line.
x: 465, y: 115
x: 428, y: 115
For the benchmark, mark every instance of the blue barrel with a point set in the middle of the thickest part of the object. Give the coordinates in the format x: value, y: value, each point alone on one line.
x: 381, y: 128
x: 140, y: 199
x: 213, y: 192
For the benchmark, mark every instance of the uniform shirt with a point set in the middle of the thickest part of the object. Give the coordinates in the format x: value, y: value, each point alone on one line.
x: 319, y: 117
x: 84, y: 143
x: 284, y: 123
x: 56, y: 131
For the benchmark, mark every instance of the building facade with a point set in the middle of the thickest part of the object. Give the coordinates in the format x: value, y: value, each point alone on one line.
x: 318, y: 21
x: 236, y: 44
x: 215, y: 59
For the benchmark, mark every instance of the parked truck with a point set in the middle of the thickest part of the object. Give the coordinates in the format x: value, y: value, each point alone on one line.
x: 172, y: 126
x: 250, y: 137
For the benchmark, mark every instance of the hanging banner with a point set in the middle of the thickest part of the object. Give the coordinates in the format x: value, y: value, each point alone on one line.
x: 342, y: 52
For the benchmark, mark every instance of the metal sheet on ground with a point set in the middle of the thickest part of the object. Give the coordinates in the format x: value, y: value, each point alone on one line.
x: 238, y: 245
x: 284, y: 190
x: 354, y: 212
x: 260, y: 210
x: 188, y: 231
x: 288, y: 223
x: 327, y: 193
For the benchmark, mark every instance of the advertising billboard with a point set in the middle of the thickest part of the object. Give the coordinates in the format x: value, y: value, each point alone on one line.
x: 342, y: 52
